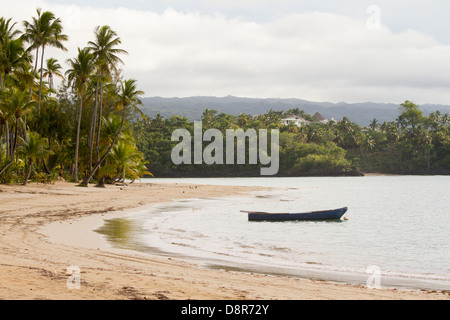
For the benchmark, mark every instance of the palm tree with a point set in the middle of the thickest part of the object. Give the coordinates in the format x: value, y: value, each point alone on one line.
x: 81, y: 68
x: 43, y: 31
x: 34, y: 148
x: 13, y: 58
x: 374, y: 124
x: 52, y: 68
x: 128, y: 96
x: 105, y: 51
x: 7, y: 33
x: 208, y: 118
x: 17, y: 105
x: 125, y: 156
x: 6, y: 30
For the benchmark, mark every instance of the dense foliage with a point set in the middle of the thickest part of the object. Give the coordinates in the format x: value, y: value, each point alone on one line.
x: 79, y: 132
x: 413, y: 144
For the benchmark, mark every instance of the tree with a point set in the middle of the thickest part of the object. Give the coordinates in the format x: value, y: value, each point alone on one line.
x: 43, y: 31
x: 125, y: 157
x: 374, y: 125
x: 410, y: 115
x: 33, y: 148
x: 82, y: 67
x: 128, y: 96
x: 13, y: 58
x: 52, y: 68
x: 208, y: 118
x: 105, y: 52
x: 7, y: 33
x: 17, y: 105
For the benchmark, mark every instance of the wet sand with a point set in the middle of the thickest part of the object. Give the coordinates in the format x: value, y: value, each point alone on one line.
x: 37, y: 251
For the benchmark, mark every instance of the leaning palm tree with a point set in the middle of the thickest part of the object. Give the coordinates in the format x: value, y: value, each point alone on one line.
x: 128, y: 96
x: 43, y: 31
x: 81, y: 68
x: 106, y: 53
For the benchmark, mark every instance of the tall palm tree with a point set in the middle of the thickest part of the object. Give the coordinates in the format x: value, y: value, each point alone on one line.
x: 52, y: 69
x: 106, y: 53
x: 127, y: 97
x: 81, y: 68
x: 17, y: 105
x: 45, y: 30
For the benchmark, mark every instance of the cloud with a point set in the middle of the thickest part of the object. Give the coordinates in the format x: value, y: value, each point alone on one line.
x: 313, y: 55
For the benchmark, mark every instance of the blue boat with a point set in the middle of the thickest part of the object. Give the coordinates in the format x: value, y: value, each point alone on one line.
x: 335, y: 214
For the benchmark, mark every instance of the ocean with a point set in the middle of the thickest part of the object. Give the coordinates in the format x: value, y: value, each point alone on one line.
x: 396, y: 232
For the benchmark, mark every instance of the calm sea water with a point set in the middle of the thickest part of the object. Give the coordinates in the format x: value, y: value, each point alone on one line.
x: 398, y: 226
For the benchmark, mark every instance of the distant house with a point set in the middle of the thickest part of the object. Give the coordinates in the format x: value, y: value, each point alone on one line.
x: 298, y: 121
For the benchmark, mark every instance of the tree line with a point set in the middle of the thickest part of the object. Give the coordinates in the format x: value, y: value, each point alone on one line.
x: 412, y: 144
x: 80, y: 132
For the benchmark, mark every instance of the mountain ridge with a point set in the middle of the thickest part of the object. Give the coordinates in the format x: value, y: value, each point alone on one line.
x: 193, y: 107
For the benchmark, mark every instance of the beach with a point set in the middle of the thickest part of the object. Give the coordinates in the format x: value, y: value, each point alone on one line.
x: 38, y: 254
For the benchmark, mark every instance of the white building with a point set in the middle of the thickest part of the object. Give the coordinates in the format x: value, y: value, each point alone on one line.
x: 298, y: 121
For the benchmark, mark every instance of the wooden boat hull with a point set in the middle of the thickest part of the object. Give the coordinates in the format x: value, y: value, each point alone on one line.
x: 314, y: 215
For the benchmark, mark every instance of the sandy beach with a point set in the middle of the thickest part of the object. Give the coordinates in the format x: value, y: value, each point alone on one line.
x: 34, y: 264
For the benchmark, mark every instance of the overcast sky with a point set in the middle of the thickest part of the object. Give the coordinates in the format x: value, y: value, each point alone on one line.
x: 323, y: 50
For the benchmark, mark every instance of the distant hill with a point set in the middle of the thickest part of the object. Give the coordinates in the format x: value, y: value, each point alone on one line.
x: 193, y: 107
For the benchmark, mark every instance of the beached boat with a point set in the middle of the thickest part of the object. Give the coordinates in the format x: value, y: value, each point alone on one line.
x: 313, y: 215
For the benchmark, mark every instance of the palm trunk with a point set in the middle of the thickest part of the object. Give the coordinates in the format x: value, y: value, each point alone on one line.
x: 30, y: 165
x: 1, y: 138
x: 7, y: 140
x: 29, y: 95
x: 99, y: 120
x: 75, y: 171
x: 40, y: 82
x: 34, y: 72
x: 14, y: 149
x: 92, y: 130
x: 89, y: 177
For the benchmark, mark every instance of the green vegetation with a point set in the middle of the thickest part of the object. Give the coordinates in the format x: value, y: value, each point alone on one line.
x: 82, y: 130
x: 91, y: 130
x: 413, y: 144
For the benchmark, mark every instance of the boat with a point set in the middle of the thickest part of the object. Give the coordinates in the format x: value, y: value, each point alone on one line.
x: 335, y: 214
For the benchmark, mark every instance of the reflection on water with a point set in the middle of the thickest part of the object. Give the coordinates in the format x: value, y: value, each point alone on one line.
x: 121, y: 232
x: 390, y: 225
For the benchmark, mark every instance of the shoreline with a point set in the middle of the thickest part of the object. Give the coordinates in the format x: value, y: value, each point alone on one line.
x: 34, y: 266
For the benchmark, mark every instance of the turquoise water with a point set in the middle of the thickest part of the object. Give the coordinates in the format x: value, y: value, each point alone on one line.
x: 399, y: 224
